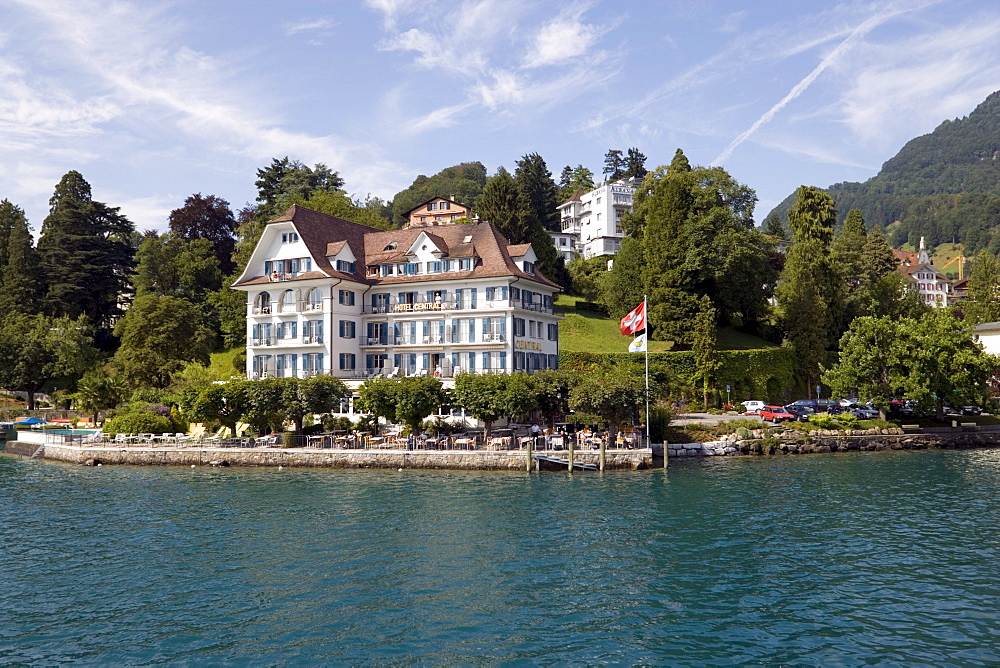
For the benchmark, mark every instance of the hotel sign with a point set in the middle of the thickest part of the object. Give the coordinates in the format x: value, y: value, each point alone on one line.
x: 419, y: 306
x: 521, y: 344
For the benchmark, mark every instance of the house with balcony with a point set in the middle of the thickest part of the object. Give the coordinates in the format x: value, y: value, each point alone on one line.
x: 591, y: 220
x: 436, y: 211
x: 328, y: 296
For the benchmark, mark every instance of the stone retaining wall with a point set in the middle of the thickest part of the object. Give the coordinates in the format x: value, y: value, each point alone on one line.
x: 834, y: 441
x: 483, y: 460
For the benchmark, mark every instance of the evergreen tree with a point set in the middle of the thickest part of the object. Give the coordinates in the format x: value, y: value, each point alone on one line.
x: 10, y: 217
x: 20, y: 278
x: 705, y: 346
x: 877, y: 258
x: 983, y: 302
x: 285, y: 179
x: 614, y: 165
x: 169, y: 266
x: 501, y: 204
x: 578, y: 178
x: 623, y: 288
x: 808, y: 291
x: 635, y: 165
x: 85, y: 253
x: 534, y: 182
x: 208, y: 218
x: 772, y: 226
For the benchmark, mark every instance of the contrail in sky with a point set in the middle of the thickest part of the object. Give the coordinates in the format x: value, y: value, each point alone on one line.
x: 800, y: 87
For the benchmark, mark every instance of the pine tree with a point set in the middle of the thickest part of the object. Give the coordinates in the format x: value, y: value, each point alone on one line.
x: 501, y: 205
x: 614, y: 165
x: 10, y: 215
x: 635, y: 165
x: 772, y: 226
x: 21, y: 287
x: 85, y: 254
x: 705, y: 346
x: 877, y: 258
x: 535, y: 183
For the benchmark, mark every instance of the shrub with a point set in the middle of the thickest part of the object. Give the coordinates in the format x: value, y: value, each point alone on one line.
x: 824, y: 420
x: 139, y: 422
x: 659, y: 419
x: 848, y: 420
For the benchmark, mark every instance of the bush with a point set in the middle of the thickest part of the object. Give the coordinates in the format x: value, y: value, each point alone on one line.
x: 139, y: 422
x: 824, y: 421
x: 659, y: 419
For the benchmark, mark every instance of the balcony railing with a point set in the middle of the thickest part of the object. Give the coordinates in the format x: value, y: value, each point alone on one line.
x: 261, y: 310
x: 311, y: 306
x: 263, y: 341
x: 456, y: 305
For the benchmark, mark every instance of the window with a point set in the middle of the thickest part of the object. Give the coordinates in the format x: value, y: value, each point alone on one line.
x: 502, y: 365
x: 348, y: 361
x: 314, y: 299
x: 431, y: 206
x: 465, y: 264
x: 348, y: 329
x: 562, y: 241
x: 529, y: 267
x: 518, y: 326
x: 287, y: 301
x: 289, y: 237
x: 553, y: 332
x: 385, y: 270
x: 444, y: 205
x: 347, y: 298
x: 263, y: 303
x: 531, y: 329
x: 434, y: 267
x: 410, y: 268
x: 347, y: 267
x: 391, y: 246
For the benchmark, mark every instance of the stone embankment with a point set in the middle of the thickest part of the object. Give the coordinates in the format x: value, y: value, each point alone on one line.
x: 479, y: 460
x: 759, y: 442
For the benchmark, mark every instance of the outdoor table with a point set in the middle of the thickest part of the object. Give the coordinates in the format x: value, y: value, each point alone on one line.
x: 464, y: 441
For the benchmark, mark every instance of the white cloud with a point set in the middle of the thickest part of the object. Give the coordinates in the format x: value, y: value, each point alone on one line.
x: 322, y: 26
x: 561, y: 40
x: 731, y: 22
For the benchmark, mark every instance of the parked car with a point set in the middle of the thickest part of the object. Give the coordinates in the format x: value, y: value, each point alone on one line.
x: 818, y: 405
x: 752, y: 407
x: 903, y: 408
x: 846, y: 403
x: 775, y: 414
x: 864, y: 412
x: 801, y: 413
x: 971, y: 410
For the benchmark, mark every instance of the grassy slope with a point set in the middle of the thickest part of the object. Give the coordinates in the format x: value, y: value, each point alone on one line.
x: 584, y: 331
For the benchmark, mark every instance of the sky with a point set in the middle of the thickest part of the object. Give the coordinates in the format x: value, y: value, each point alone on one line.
x: 155, y: 100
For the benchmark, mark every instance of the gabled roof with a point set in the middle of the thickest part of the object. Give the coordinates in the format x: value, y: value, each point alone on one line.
x: 518, y: 250
x: 320, y: 233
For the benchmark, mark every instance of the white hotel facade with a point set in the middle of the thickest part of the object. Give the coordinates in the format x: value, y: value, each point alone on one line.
x: 591, y: 221
x: 327, y: 296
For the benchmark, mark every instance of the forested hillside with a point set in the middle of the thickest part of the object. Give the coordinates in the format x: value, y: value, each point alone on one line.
x: 944, y: 186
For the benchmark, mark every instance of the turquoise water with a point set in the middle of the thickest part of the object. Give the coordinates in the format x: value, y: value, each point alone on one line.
x: 849, y: 559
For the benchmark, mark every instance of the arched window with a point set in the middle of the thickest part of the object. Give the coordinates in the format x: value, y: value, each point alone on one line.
x: 314, y: 300
x: 287, y: 301
x: 392, y: 246
x: 263, y: 303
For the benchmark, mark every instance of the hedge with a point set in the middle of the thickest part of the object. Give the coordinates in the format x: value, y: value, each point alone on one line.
x: 767, y: 374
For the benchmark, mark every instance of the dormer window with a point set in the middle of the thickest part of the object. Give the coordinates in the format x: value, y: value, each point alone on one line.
x: 467, y: 239
x: 529, y: 267
x: 386, y: 269
x: 289, y: 237
x: 347, y: 267
x: 391, y: 246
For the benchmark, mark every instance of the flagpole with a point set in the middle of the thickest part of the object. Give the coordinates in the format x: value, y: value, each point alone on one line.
x: 645, y: 310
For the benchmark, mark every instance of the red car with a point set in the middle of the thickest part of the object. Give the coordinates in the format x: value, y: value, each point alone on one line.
x: 776, y: 414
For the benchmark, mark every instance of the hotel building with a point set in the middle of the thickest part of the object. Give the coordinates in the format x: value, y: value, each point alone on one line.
x: 591, y: 222
x: 325, y: 295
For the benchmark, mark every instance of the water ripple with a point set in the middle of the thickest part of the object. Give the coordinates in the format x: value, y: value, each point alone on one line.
x: 846, y: 559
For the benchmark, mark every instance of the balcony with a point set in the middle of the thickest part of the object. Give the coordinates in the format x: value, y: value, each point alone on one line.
x: 261, y: 310
x: 313, y: 306
x: 264, y: 341
x: 310, y: 340
x: 455, y: 305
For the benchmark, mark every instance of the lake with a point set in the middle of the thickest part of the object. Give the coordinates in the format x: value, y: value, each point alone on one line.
x: 847, y: 558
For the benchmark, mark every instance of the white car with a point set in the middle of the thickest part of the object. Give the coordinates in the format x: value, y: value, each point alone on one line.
x: 753, y: 407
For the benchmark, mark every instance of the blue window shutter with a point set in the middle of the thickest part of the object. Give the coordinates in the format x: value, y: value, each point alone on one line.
x: 503, y: 360
x: 430, y: 296
x: 343, y: 334
x: 486, y: 325
x: 426, y: 361
x: 295, y: 330
x: 371, y: 330
x: 458, y: 297
x: 486, y: 361
x: 489, y: 294
x: 413, y: 361
x: 454, y: 360
x: 427, y: 328
x: 503, y: 293
x: 295, y: 364
x: 473, y: 300
x: 319, y: 329
x: 472, y: 361
x: 267, y: 266
x: 319, y: 361
x: 395, y: 360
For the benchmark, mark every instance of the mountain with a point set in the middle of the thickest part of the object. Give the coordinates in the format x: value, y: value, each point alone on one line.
x: 944, y: 186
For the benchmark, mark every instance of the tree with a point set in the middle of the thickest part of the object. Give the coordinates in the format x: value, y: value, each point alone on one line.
x: 98, y: 391
x: 623, y: 287
x: 282, y: 180
x: 340, y: 205
x: 872, y: 362
x: 614, y: 395
x: 225, y: 403
x: 170, y: 266
x: 158, y: 336
x: 550, y: 388
x: 491, y: 396
x: 300, y: 397
x: 635, y: 165
x: 809, y: 290
x: 378, y: 397
x: 614, y: 164
x: 586, y: 274
x: 983, y: 301
x: 499, y: 204
x: 416, y: 398
x: 772, y: 226
x: 705, y: 346
x: 19, y: 277
x: 208, y: 218
x: 37, y: 350
x: 535, y: 184
x: 85, y: 253
x: 574, y: 179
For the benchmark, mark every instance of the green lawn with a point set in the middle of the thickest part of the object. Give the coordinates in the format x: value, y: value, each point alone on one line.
x: 585, y: 331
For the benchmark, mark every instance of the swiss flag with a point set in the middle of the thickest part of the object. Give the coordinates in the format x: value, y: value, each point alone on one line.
x: 635, y: 321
